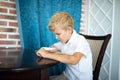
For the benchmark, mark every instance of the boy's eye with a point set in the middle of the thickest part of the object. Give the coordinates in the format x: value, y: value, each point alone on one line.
x: 57, y: 34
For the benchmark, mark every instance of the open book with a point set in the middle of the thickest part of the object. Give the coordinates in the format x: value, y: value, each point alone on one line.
x: 48, y: 48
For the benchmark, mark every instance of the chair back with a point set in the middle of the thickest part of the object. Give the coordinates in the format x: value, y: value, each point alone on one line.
x: 98, y: 45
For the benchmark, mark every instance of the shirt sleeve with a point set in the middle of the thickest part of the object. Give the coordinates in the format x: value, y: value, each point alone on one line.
x: 58, y: 45
x: 83, y: 47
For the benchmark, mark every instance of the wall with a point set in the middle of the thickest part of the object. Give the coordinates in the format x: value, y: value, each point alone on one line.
x: 9, y: 34
x: 82, y: 22
x: 99, y: 21
x: 115, y: 55
x: 102, y: 17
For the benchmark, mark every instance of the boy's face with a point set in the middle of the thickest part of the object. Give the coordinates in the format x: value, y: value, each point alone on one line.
x: 63, y: 35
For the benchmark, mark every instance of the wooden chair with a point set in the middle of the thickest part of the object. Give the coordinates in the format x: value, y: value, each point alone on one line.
x: 98, y: 45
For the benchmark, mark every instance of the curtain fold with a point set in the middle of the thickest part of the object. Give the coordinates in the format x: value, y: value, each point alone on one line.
x: 27, y: 14
x: 34, y: 15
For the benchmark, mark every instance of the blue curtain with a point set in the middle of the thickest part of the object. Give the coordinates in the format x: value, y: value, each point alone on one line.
x: 33, y: 17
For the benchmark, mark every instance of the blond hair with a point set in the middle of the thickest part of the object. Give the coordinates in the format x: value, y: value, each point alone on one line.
x: 61, y: 20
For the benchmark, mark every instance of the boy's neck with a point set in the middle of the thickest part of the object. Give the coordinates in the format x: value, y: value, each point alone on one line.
x: 69, y: 37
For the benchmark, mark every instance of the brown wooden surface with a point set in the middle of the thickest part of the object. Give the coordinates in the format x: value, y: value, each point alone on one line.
x: 18, y: 64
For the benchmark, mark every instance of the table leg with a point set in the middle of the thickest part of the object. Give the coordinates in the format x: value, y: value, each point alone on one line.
x: 44, y: 74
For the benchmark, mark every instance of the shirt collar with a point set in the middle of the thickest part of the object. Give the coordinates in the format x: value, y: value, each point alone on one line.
x: 73, y: 37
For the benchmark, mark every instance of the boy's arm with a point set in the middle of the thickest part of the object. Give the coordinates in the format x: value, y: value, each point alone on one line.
x: 64, y: 58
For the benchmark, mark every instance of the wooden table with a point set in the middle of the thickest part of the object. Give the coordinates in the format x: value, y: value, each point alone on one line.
x: 23, y: 64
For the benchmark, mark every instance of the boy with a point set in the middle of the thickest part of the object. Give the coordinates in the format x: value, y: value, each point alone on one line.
x: 75, y: 51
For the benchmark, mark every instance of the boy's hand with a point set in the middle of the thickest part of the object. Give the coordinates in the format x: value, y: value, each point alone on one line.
x: 45, y: 50
x: 41, y: 52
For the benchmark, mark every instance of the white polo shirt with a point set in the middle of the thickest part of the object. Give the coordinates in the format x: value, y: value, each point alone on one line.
x: 83, y: 69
